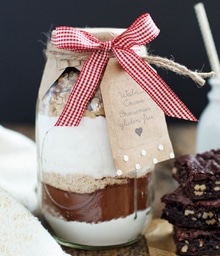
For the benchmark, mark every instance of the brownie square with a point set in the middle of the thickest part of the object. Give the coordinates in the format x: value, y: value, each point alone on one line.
x: 199, y: 175
x: 197, y: 241
x: 181, y: 211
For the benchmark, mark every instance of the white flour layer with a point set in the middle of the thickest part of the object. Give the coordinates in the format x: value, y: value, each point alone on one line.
x: 114, y: 232
x: 84, y: 149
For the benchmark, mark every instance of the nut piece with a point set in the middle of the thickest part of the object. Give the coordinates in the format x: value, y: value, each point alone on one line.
x: 211, y: 222
x: 216, y: 188
x: 200, y: 187
x: 217, y: 182
x: 198, y: 193
x: 184, y: 248
x: 188, y: 212
x: 201, y: 243
x: 207, y: 215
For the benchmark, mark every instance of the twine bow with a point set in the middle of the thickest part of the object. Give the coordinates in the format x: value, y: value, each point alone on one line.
x: 141, y: 32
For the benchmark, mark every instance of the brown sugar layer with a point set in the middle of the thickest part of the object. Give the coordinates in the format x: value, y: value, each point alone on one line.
x: 82, y: 183
x: 112, y: 202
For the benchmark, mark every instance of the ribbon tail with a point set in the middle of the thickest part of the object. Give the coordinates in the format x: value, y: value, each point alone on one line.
x: 153, y: 84
x: 83, y: 89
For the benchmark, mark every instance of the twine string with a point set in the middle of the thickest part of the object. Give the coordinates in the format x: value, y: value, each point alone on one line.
x: 161, y: 62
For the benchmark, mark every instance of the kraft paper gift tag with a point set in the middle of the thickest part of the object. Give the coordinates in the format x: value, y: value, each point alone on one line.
x: 136, y: 125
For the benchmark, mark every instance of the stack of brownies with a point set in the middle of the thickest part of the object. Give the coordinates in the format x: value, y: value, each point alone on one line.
x: 194, y: 207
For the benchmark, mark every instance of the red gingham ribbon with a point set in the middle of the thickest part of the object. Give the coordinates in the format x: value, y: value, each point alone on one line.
x: 141, y: 32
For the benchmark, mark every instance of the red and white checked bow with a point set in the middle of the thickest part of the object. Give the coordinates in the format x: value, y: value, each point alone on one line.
x: 141, y: 32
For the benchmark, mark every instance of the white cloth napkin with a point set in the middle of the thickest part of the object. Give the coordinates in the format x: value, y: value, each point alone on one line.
x: 21, y: 233
x: 18, y: 167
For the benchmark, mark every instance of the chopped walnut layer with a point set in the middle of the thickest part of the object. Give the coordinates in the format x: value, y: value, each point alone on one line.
x: 56, y: 98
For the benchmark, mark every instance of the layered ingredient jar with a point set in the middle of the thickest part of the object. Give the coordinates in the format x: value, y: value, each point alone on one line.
x: 84, y: 200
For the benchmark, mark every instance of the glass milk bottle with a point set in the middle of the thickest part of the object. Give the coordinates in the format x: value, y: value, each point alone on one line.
x: 84, y: 201
x: 208, y: 130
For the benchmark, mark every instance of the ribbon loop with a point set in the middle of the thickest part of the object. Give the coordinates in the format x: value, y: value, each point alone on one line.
x: 141, y: 32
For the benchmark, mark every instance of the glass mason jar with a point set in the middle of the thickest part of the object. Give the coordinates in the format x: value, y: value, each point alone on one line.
x: 84, y: 201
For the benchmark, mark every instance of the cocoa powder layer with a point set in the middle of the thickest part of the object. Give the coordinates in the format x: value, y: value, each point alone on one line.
x: 112, y: 202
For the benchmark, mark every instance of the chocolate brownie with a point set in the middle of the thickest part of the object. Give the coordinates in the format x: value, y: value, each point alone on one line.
x: 181, y: 211
x: 199, y: 175
x: 197, y: 241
